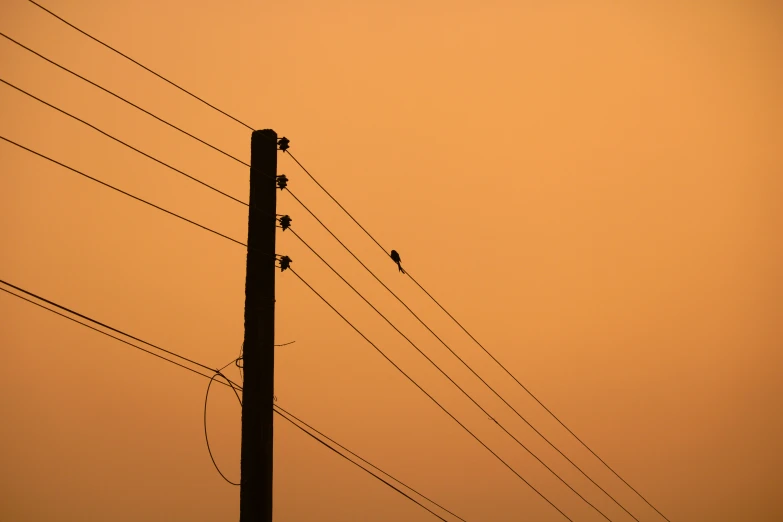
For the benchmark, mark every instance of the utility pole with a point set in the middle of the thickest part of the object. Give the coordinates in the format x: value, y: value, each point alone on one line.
x: 255, y: 493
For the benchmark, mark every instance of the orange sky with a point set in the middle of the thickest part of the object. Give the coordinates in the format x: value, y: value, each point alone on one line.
x: 593, y: 190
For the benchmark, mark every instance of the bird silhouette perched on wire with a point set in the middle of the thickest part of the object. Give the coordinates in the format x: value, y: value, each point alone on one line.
x: 396, y: 258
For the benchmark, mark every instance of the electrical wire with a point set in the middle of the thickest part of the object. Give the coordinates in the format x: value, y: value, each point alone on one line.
x: 110, y: 335
x: 126, y: 101
x: 123, y: 192
x: 466, y: 394
x: 124, y: 143
x: 428, y: 395
x: 308, y: 173
x: 241, y: 360
x: 367, y: 462
x: 537, y: 400
x: 206, y: 435
x: 140, y: 65
x: 335, y: 200
x: 361, y: 467
x: 480, y: 345
x: 137, y: 198
x: 228, y: 383
x: 457, y: 356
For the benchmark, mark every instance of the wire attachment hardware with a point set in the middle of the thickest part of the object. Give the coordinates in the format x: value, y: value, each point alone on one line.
x: 285, y: 262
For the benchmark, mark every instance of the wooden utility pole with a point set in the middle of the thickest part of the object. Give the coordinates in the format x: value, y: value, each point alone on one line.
x: 255, y: 494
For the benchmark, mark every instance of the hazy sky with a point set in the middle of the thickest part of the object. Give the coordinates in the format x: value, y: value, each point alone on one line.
x: 593, y: 190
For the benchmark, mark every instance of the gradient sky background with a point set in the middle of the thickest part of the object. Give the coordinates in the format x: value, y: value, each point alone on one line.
x: 592, y: 189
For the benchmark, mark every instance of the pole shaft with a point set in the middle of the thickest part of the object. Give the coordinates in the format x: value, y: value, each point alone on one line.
x: 255, y: 497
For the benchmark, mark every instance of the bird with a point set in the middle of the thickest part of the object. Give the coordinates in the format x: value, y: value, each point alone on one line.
x: 396, y: 258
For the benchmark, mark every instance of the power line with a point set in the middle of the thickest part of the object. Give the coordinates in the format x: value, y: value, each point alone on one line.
x: 140, y: 65
x: 123, y: 192
x: 126, y: 101
x: 428, y: 395
x: 357, y: 464
x: 206, y: 435
x: 218, y: 372
x: 110, y: 335
x: 132, y: 196
x: 367, y: 462
x: 333, y: 199
x: 124, y: 143
x: 303, y: 168
x: 466, y: 394
x: 457, y: 356
x: 537, y: 400
x: 480, y: 345
x: 228, y: 382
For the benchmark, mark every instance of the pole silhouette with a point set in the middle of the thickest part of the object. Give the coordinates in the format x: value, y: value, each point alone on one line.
x: 255, y: 494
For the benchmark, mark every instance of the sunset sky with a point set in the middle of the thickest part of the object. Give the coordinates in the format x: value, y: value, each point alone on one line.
x: 592, y: 188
